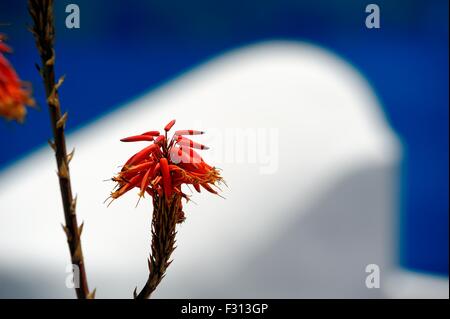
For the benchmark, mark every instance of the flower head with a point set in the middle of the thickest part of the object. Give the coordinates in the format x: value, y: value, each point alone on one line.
x: 14, y: 94
x: 161, y: 168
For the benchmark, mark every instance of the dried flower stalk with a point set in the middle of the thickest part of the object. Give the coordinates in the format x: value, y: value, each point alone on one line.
x: 43, y: 30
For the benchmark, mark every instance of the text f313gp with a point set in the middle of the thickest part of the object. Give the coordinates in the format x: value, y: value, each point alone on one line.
x: 229, y: 308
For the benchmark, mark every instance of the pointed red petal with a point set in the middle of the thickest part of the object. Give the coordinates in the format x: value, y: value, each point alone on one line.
x: 169, y: 125
x: 184, y: 141
x: 137, y: 138
x: 167, y: 181
x: 151, y: 133
x: 188, y: 132
x: 138, y: 157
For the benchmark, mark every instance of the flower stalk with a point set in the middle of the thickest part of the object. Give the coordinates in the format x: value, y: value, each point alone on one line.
x: 43, y: 31
x: 164, y: 221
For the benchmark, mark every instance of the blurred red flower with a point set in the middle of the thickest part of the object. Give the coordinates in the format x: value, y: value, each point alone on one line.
x: 15, y: 95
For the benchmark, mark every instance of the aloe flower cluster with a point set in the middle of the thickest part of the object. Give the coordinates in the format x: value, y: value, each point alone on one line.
x: 161, y: 168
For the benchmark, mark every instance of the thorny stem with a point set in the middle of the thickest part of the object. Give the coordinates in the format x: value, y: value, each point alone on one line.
x: 163, y: 242
x: 43, y: 30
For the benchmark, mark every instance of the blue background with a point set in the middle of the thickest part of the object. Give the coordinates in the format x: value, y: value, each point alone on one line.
x: 125, y: 48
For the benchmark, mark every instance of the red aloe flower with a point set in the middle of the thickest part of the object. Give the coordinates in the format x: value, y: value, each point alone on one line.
x: 14, y: 94
x: 161, y: 168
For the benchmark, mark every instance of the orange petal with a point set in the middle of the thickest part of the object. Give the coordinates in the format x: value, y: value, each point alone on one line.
x: 208, y: 188
x: 197, y: 187
x: 144, y: 182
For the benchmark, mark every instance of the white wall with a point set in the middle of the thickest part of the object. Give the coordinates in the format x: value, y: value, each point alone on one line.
x: 303, y: 222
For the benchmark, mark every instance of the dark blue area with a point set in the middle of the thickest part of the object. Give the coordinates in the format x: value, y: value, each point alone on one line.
x: 125, y: 48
